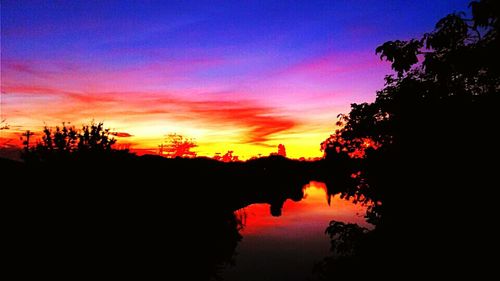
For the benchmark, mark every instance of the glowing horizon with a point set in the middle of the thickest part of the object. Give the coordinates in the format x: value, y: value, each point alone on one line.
x: 243, y: 77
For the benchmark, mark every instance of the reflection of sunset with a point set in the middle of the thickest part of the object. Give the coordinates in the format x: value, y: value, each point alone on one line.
x: 310, y: 215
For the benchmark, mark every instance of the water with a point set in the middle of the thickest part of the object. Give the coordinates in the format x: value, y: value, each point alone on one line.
x: 287, y: 247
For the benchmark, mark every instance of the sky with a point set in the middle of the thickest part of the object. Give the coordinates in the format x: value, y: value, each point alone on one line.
x: 233, y: 75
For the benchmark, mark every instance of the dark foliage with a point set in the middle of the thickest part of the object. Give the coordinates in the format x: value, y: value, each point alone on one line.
x: 75, y: 212
x: 434, y: 126
x: 65, y: 142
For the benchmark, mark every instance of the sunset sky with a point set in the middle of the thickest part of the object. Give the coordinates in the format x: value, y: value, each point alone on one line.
x: 234, y: 75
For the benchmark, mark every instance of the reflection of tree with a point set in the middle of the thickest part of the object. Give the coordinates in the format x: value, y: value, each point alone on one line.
x: 345, y: 237
x: 221, y: 240
x: 350, y: 247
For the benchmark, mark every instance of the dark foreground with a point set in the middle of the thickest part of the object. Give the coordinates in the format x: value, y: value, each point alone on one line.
x: 124, y: 215
x: 142, y: 217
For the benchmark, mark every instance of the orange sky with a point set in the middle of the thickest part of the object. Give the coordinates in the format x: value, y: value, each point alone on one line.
x: 247, y: 128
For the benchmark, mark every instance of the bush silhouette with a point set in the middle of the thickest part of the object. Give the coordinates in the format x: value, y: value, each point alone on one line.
x: 66, y: 141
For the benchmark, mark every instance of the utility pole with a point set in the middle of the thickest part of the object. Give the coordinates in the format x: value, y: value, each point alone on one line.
x: 27, y: 141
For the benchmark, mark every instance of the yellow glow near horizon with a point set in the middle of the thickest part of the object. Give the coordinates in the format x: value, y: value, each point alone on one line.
x: 148, y: 135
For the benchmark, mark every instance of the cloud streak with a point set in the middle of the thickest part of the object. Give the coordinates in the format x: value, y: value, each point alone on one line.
x: 336, y: 63
x: 256, y: 122
x: 122, y: 134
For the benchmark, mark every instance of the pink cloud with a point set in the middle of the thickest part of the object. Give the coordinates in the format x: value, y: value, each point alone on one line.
x: 90, y: 75
x: 337, y: 63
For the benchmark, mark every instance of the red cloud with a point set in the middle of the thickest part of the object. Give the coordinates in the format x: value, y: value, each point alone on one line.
x: 79, y: 89
x: 122, y: 134
x: 259, y: 121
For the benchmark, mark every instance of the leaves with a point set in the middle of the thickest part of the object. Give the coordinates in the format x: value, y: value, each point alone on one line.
x: 402, y: 54
x: 485, y: 13
x: 451, y: 33
x: 456, y: 62
x: 424, y: 103
x: 345, y: 237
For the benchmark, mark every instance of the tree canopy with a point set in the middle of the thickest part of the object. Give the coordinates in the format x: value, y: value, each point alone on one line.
x: 428, y: 141
x: 455, y: 65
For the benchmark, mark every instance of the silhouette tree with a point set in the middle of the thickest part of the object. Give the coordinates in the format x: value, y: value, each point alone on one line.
x: 432, y: 125
x: 458, y: 65
x: 345, y: 237
x: 217, y: 156
x: 93, y: 137
x: 64, y: 141
x: 178, y: 146
x: 229, y: 157
x: 281, y: 150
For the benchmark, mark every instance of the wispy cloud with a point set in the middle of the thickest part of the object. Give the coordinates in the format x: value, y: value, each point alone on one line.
x: 256, y: 122
x: 335, y: 63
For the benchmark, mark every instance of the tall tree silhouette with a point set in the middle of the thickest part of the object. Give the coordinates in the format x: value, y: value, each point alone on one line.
x: 434, y: 124
x: 458, y: 65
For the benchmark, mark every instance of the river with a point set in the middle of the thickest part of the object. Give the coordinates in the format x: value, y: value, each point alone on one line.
x: 288, y: 246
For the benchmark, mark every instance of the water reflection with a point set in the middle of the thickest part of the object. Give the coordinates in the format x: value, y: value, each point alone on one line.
x: 286, y: 247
